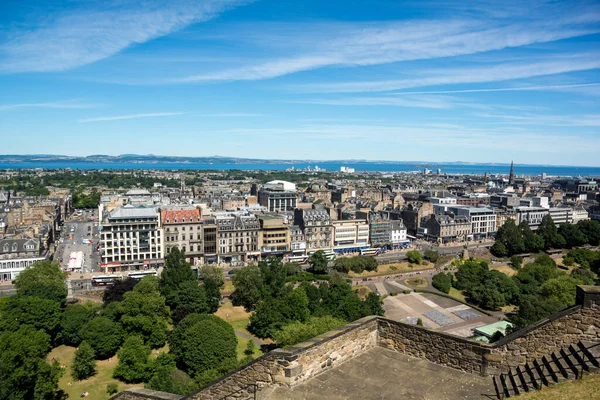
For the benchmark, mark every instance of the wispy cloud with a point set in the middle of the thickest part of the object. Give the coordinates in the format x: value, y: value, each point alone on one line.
x: 412, y: 101
x: 507, y: 89
x: 496, y: 73
x: 68, y: 104
x: 94, y: 31
x: 130, y: 116
x: 233, y: 115
x: 308, y: 46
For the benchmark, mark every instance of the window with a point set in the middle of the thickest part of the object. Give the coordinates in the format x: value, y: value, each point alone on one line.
x: 14, y: 247
x: 5, y: 247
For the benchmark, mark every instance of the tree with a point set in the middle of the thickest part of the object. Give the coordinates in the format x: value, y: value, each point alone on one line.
x: 585, y: 276
x: 250, y: 348
x: 560, y: 290
x: 249, y: 287
x: 167, y: 378
x: 516, y: 262
x: 213, y: 282
x: 73, y: 318
x: 177, y: 271
x: 38, y: 312
x: 533, y: 243
x: 104, y: 335
x: 419, y: 322
x: 294, y: 306
x: 296, y: 332
x: 318, y: 262
x: 84, y: 363
x: 533, y: 308
x: 413, y: 256
x: 591, y: 230
x: 266, y: 319
x: 442, y: 282
x: 373, y: 304
x: 190, y: 299
x: 470, y: 274
x: 115, y: 292
x: 573, y: 236
x: 24, y: 372
x: 511, y: 237
x: 133, y: 360
x: 548, y: 231
x: 201, y: 342
x: 533, y: 275
x: 431, y: 255
x: 144, y: 312
x: 42, y: 279
x: 499, y: 249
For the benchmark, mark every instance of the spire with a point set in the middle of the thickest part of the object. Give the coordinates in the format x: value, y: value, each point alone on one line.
x: 511, y: 176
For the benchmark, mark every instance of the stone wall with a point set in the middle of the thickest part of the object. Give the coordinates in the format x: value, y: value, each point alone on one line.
x: 145, y: 394
x: 296, y: 364
x: 437, y: 347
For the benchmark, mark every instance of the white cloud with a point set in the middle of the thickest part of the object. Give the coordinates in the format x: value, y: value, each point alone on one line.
x: 507, y: 89
x: 93, y: 32
x: 130, y: 116
x: 416, y: 101
x: 225, y: 115
x: 496, y: 73
x: 67, y: 104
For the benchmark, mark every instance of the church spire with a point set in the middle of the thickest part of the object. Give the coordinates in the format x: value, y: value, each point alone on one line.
x: 511, y: 176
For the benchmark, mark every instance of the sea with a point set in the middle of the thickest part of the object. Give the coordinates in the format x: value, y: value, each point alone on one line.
x: 359, y: 166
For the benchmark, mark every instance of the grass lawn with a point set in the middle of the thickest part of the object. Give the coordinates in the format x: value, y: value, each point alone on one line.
x: 363, y: 290
x: 236, y: 316
x: 228, y: 288
x: 241, y: 346
x: 96, y: 385
x: 457, y: 294
x: 394, y: 268
x: 587, y: 388
x: 416, y: 282
x: 505, y: 269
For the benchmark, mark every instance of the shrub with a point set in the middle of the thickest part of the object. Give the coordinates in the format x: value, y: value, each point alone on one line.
x: 393, y: 294
x: 84, y: 363
x: 413, y: 256
x: 419, y: 322
x: 407, y: 291
x: 133, y: 360
x: 104, y: 335
x: 393, y: 268
x: 112, y: 388
x: 516, y: 262
x: 431, y: 255
x: 442, y: 282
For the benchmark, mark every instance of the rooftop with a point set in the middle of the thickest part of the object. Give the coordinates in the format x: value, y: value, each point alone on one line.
x: 127, y: 212
x: 397, y: 376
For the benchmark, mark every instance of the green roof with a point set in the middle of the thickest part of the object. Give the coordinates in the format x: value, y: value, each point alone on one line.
x: 489, y: 330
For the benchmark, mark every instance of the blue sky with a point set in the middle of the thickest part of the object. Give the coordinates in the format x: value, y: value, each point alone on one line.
x: 478, y: 80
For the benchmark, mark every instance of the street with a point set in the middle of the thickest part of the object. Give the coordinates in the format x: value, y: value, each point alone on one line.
x: 71, y: 241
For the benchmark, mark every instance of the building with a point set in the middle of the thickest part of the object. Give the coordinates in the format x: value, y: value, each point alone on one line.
x: 561, y: 215
x: 442, y: 200
x: 297, y: 241
x: 579, y: 214
x: 132, y: 239
x: 350, y: 235
x: 398, y: 233
x: 483, y: 220
x: 210, y: 239
x: 183, y: 230
x: 533, y: 215
x: 317, y: 227
x: 505, y: 200
x: 18, y: 254
x: 237, y: 237
x: 447, y: 228
x: 274, y: 236
x: 412, y: 215
x: 278, y: 196
x: 380, y: 232
x: 474, y: 199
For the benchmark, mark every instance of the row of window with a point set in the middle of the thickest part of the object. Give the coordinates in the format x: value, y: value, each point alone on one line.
x: 15, y: 247
x: 16, y: 264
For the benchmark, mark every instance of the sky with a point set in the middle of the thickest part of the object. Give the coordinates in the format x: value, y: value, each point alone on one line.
x: 475, y: 81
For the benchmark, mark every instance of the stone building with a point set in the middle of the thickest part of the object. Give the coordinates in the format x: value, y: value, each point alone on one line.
x: 317, y: 227
x: 446, y: 228
x: 237, y: 237
x: 18, y: 254
x: 274, y: 236
x: 297, y: 240
x: 183, y: 229
x: 412, y: 215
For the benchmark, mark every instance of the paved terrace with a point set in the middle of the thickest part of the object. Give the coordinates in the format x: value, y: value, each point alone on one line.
x: 391, y: 375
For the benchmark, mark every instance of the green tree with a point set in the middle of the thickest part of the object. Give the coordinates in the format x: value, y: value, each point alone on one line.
x: 202, y: 342
x: 133, y: 363
x: 249, y: 287
x: 431, y: 255
x: 318, y: 262
x: 560, y: 290
x: 73, y: 318
x: 413, y: 256
x: 296, y: 332
x: 84, y: 363
x: 419, y: 322
x: 511, y: 237
x: 585, y: 276
x: 115, y: 292
x: 516, y: 262
x: 442, y: 282
x: 591, y: 230
x: 144, y: 312
x: 470, y: 274
x: 548, y: 231
x: 533, y: 308
x: 499, y: 249
x: 533, y: 243
x: 167, y: 378
x: 104, y: 335
x: 266, y: 319
x: 213, y: 281
x: 373, y: 304
x: 24, y: 372
x: 42, y: 279
x: 176, y: 271
x: 294, y: 306
x: 573, y: 236
x: 38, y: 312
x: 190, y: 299
x: 250, y: 348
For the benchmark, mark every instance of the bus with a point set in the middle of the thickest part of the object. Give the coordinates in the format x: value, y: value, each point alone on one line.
x: 141, y: 274
x: 329, y: 254
x: 105, y: 280
x: 298, y: 259
x: 369, y: 252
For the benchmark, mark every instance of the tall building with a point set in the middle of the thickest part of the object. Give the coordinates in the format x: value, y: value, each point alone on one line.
x: 237, y: 237
x: 183, y: 229
x: 278, y: 196
x: 274, y: 236
x: 317, y: 227
x: 511, y: 175
x: 350, y: 235
x: 132, y: 239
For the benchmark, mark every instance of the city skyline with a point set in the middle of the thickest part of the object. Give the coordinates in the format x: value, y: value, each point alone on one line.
x: 398, y: 81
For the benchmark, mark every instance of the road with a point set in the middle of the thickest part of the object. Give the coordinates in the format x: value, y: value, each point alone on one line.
x: 83, y: 229
x: 399, y: 255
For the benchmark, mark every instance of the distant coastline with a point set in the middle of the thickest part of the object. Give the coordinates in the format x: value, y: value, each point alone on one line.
x: 131, y: 162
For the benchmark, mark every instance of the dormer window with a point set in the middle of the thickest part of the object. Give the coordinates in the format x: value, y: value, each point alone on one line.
x: 182, y: 220
x: 168, y: 220
x: 14, y: 247
x: 175, y: 220
x: 5, y: 249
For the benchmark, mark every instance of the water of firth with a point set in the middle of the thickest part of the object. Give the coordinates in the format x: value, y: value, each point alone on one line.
x: 359, y: 166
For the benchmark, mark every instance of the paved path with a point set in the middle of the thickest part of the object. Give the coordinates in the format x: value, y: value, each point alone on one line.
x: 244, y: 335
